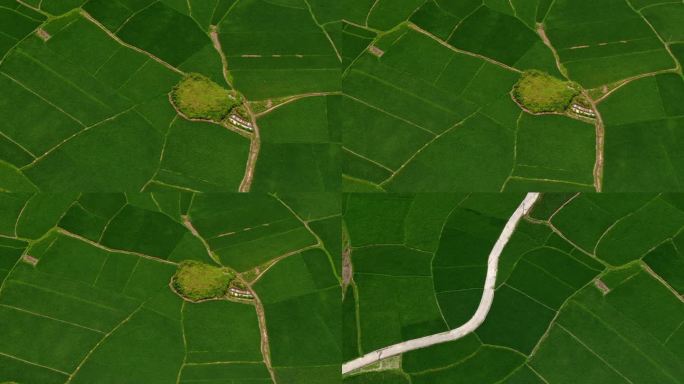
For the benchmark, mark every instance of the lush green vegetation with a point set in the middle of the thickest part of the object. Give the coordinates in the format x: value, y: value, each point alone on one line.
x: 197, y: 97
x: 592, y: 284
x: 198, y: 281
x: 540, y: 92
x: 101, y: 265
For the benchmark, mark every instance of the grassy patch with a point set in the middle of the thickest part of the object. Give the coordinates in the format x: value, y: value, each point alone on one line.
x: 197, y: 97
x: 197, y: 281
x: 540, y: 92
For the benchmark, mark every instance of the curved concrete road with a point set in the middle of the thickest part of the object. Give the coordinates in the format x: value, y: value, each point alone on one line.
x: 482, y: 310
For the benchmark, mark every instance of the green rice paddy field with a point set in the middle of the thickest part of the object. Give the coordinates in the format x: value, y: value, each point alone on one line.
x: 365, y: 95
x: 263, y: 191
x: 589, y: 288
x: 427, y: 91
x: 86, y: 290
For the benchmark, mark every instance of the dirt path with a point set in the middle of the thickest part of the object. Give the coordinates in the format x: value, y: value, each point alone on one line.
x: 265, y: 347
x: 188, y: 224
x: 662, y: 281
x: 542, y: 34
x: 108, y: 249
x: 213, y: 34
x: 600, y: 144
x: 295, y: 98
x: 255, y: 139
x: 628, y: 80
x: 347, y: 267
x: 254, y: 148
x: 480, y: 314
x: 600, y: 132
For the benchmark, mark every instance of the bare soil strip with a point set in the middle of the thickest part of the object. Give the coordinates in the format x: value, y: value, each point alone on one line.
x: 481, y: 312
x: 295, y: 98
x: 600, y: 131
x: 628, y: 80
x: 265, y: 348
x: 254, y: 148
x: 347, y: 267
x: 662, y: 281
x: 545, y: 39
x: 600, y: 144
x: 188, y: 224
x: 217, y: 45
x: 98, y: 245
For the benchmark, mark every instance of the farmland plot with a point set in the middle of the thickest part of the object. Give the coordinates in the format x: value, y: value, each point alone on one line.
x: 587, y: 290
x: 87, y: 290
x: 396, y: 96
x: 427, y: 84
x: 93, y: 79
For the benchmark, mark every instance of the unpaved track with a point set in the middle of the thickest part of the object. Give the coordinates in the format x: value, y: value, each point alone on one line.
x: 482, y: 310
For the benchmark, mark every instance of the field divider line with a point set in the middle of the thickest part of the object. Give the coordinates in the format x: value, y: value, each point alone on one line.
x: 34, y: 364
x: 585, y: 346
x: 319, y: 242
x: 461, y: 51
x: 188, y: 224
x: 360, y: 156
x: 74, y: 135
x: 327, y: 35
x: 103, y: 339
x: 44, y: 316
x: 185, y: 343
x: 424, y: 147
x: 678, y: 67
x: 482, y: 310
x: 50, y: 103
x: 293, y: 98
x: 254, y: 150
x: 116, y: 38
x: 113, y: 250
x: 369, y: 105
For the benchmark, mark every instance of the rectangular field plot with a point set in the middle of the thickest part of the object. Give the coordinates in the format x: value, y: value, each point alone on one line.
x: 219, y: 331
x: 243, y: 240
x: 610, y: 43
x: 16, y: 22
x: 556, y: 148
x: 469, y: 370
x: 252, y: 373
x: 84, y: 109
x: 277, y: 50
x: 299, y: 311
x: 643, y: 134
x: 612, y: 339
x: 93, y: 295
x: 575, y: 301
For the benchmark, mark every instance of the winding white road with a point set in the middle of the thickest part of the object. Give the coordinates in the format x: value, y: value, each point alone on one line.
x: 482, y: 310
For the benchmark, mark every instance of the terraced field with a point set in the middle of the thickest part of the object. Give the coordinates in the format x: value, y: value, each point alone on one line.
x: 357, y: 191
x: 588, y: 289
x: 393, y: 95
x: 90, y: 80
x: 427, y: 101
x: 86, y: 292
